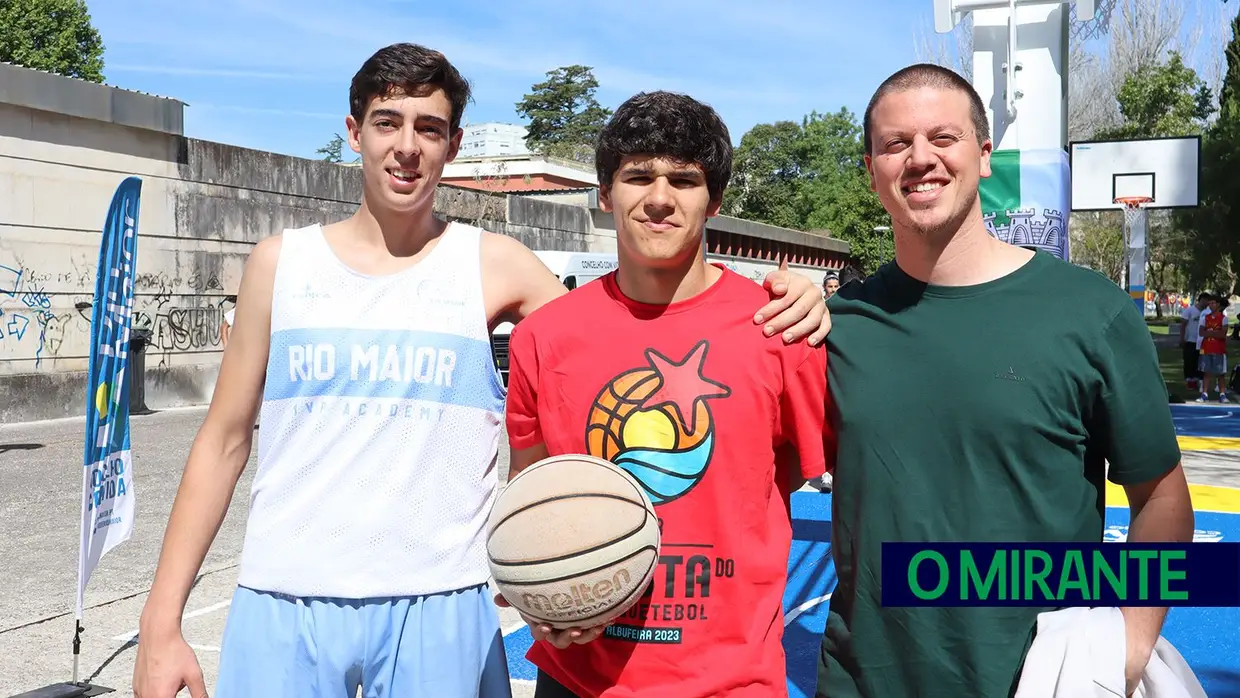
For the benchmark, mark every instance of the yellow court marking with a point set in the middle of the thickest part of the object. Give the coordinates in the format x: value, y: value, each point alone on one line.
x: 1212, y: 498
x: 1209, y: 443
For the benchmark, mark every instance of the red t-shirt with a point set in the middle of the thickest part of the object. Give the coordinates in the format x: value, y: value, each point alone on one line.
x: 693, y: 401
x: 1214, y: 345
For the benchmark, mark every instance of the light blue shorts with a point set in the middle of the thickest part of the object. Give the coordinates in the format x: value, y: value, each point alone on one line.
x: 445, y: 645
x: 1215, y: 364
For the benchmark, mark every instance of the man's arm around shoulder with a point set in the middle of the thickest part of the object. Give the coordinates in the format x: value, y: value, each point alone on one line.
x: 217, y: 458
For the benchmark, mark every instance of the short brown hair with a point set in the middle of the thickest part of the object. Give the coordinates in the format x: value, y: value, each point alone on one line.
x: 928, y: 75
x: 412, y: 70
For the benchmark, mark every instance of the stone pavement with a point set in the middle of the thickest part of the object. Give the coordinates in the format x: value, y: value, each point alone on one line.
x: 39, y: 504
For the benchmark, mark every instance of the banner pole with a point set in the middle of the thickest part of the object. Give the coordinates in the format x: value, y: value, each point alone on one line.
x: 106, y: 495
x: 77, y: 649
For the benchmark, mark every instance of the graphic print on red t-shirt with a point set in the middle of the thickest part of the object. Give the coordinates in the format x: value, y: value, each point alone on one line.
x: 655, y: 422
x: 693, y: 401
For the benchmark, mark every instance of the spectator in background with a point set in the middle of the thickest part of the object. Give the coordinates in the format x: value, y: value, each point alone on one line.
x: 830, y: 284
x: 1188, y: 340
x: 1212, y: 345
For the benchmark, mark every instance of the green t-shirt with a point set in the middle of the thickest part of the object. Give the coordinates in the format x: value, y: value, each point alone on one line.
x: 980, y: 413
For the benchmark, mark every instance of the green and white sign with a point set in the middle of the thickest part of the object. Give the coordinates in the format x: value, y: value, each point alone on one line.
x: 1026, y: 199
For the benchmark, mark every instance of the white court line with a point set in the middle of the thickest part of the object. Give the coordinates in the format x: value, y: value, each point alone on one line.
x: 792, y: 615
x: 204, y: 648
x: 126, y: 637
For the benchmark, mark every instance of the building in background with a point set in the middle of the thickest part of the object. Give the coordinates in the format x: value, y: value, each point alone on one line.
x: 492, y: 139
x: 518, y: 173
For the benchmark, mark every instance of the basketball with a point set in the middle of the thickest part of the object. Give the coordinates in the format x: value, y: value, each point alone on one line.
x: 572, y: 541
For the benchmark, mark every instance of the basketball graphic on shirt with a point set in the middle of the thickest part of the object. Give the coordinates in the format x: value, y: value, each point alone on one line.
x: 655, y: 422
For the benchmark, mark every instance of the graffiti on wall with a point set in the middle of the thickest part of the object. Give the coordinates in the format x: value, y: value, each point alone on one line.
x: 26, y: 313
x: 179, y: 328
x: 155, y: 282
x: 39, y: 325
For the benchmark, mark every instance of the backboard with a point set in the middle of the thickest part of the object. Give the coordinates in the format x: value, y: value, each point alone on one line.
x: 1164, y: 169
x: 948, y: 13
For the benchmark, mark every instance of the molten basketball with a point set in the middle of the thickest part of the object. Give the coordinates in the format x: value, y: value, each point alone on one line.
x: 573, y: 541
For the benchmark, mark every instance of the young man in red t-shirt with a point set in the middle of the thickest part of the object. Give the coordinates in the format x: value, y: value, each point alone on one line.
x: 1212, y: 349
x: 657, y: 368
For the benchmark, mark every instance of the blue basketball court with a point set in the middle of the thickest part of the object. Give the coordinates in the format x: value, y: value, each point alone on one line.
x: 1207, y: 637
x: 1207, y: 421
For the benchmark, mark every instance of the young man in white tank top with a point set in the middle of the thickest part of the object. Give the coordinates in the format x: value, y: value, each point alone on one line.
x: 365, y: 346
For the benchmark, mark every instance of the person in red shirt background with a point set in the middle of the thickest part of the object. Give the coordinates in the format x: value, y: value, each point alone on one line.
x: 657, y: 368
x: 1212, y: 349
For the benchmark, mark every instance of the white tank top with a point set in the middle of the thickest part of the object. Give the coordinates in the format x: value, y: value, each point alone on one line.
x: 380, y: 426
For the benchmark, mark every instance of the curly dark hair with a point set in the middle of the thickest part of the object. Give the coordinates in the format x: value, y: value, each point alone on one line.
x: 408, y: 69
x: 671, y: 125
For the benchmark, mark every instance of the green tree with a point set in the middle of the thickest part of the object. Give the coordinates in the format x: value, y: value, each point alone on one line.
x: 52, y: 35
x: 1098, y: 243
x: 838, y: 198
x: 565, y: 118
x: 1164, y: 99
x: 1214, y: 249
x: 334, y: 150
x: 811, y: 176
x: 767, y: 175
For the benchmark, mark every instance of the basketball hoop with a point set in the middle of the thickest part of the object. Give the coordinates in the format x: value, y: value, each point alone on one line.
x: 1133, y: 201
x: 1136, y: 229
x: 1134, y: 211
x: 1133, y: 206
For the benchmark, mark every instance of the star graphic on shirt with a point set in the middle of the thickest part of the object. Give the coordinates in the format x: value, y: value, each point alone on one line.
x: 682, y: 385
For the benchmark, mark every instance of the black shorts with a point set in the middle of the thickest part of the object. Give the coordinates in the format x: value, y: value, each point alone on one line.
x: 547, y: 687
x: 1191, y: 370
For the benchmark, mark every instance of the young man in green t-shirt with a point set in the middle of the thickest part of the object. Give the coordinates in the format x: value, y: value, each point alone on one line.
x: 1015, y: 377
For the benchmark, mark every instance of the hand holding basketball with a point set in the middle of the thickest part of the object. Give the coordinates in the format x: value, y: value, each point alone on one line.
x: 573, y: 543
x: 561, y: 639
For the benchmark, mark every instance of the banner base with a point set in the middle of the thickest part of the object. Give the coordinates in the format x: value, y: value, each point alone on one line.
x: 66, y: 690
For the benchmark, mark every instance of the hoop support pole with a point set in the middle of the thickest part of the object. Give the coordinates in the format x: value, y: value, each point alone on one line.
x: 1136, y: 227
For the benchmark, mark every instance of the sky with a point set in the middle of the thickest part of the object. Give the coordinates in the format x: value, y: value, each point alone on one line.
x: 274, y: 74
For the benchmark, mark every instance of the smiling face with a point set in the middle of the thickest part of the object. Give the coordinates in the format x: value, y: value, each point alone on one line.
x: 660, y: 208
x: 925, y: 159
x: 404, y: 140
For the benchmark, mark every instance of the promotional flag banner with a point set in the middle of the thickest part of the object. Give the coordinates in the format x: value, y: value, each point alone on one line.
x: 107, y: 480
x: 1027, y: 199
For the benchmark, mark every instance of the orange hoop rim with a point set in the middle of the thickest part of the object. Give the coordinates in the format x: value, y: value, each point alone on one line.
x: 1133, y: 201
